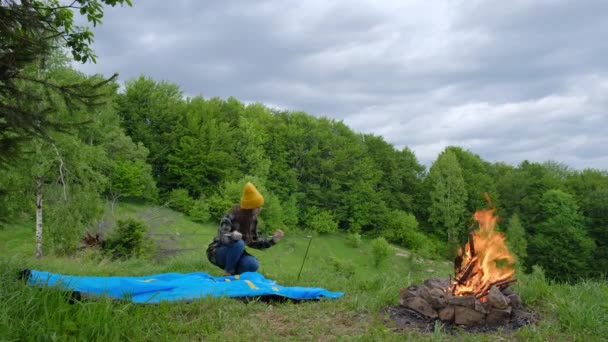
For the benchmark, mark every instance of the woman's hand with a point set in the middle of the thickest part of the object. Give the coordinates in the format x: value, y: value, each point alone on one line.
x: 236, y: 235
x: 277, y: 235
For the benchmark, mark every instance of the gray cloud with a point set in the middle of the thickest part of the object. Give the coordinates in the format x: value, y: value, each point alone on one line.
x: 519, y: 80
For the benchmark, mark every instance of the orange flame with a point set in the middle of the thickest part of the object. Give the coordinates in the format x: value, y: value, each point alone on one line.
x: 486, y: 260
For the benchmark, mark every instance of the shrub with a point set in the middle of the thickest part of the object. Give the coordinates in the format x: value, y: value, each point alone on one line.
x: 535, y: 287
x: 128, y: 239
x: 381, y: 250
x: 179, y: 200
x: 218, y: 207
x: 66, y: 220
x: 321, y: 221
x: 354, y: 240
x: 343, y: 267
x: 291, y: 212
x: 272, y: 215
x: 402, y: 228
x: 199, y: 212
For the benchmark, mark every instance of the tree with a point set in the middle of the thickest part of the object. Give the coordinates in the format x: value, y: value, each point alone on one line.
x: 65, y: 173
x: 477, y: 179
x: 590, y: 187
x: 66, y: 177
x: 251, y: 140
x: 131, y: 179
x: 516, y: 238
x: 154, y: 113
x: 597, y: 223
x: 30, y: 33
x: 521, y: 191
x: 401, y: 173
x: 448, y: 199
x: 560, y: 244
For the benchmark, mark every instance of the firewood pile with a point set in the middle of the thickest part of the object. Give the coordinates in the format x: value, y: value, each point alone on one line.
x: 422, y: 307
x: 434, y: 300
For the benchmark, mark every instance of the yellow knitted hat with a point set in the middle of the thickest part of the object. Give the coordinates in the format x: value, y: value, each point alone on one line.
x: 251, y: 198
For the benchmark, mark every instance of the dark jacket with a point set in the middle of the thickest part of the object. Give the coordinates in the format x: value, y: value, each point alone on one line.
x: 223, y: 237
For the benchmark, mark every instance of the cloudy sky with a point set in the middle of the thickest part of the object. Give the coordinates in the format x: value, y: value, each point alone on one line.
x: 508, y: 80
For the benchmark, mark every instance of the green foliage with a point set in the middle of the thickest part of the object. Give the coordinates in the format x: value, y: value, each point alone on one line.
x: 477, y: 178
x: 31, y: 34
x: 218, y: 207
x: 291, y: 212
x: 354, y: 240
x: 597, y: 226
x: 580, y: 308
x: 132, y: 179
x: 401, y: 173
x: 534, y: 288
x: 516, y: 238
x: 521, y: 190
x: 380, y: 250
x: 448, y: 199
x: 179, y: 200
x: 560, y: 244
x: 66, y: 220
x: 343, y: 268
x: 128, y: 239
x: 590, y: 188
x: 321, y: 221
x: 272, y: 213
x: 15, y: 195
x: 251, y: 140
x: 153, y: 114
x: 199, y: 211
x: 402, y: 229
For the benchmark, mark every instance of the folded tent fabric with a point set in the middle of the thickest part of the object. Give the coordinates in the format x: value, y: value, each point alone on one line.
x: 177, y: 286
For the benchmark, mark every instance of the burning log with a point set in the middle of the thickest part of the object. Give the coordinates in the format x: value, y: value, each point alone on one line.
x: 467, y: 271
x: 501, y: 285
x: 477, y: 267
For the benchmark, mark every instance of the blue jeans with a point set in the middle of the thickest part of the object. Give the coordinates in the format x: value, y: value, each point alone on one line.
x: 234, y: 259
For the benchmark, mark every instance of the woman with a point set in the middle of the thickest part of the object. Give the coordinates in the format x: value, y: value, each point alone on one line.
x: 239, y: 228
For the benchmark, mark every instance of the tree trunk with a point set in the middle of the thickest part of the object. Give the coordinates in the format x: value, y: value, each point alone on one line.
x: 112, y: 203
x: 39, y: 217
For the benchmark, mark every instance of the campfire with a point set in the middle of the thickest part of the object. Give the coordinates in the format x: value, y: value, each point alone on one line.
x: 477, y: 295
x: 485, y: 261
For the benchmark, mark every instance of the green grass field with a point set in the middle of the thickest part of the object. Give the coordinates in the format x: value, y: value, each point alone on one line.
x: 569, y: 312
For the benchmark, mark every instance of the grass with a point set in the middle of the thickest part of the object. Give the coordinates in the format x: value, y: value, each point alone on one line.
x: 569, y: 312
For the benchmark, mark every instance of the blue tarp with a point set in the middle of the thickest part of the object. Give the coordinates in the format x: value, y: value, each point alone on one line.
x: 177, y: 286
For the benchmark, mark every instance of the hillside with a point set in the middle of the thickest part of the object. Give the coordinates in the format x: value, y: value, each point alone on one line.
x: 568, y: 312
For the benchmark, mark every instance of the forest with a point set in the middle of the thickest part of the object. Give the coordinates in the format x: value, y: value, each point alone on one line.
x: 149, y: 142
x: 73, y: 142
